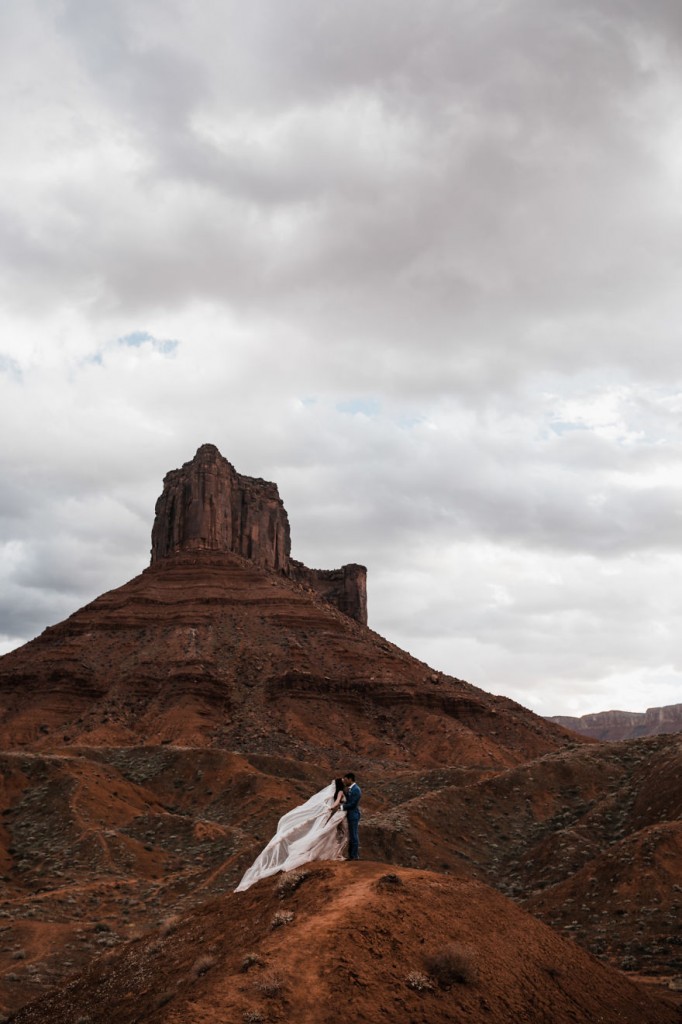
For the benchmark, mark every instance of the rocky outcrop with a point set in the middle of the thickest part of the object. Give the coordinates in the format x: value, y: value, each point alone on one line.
x: 625, y: 725
x: 208, y: 506
x: 345, y: 588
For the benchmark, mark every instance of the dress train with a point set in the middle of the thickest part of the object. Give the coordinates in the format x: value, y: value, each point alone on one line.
x: 308, y: 832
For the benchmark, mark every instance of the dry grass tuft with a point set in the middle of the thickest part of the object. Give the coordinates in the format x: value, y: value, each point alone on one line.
x: 270, y: 984
x: 419, y: 981
x: 281, y: 917
x: 290, y: 882
x: 453, y: 964
x: 391, y: 880
x: 251, y: 960
x: 202, y: 965
x: 168, y: 925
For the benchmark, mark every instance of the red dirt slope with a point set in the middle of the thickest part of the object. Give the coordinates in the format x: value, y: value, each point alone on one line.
x: 206, y: 649
x: 352, y: 941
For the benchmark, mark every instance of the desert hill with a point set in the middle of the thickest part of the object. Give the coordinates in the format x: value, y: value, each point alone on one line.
x: 353, y: 940
x: 205, y: 649
x: 152, y: 740
x: 624, y: 725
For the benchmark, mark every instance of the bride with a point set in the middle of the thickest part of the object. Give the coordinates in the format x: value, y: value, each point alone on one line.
x: 317, y: 830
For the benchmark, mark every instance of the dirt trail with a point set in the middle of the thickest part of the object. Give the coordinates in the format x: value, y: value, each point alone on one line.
x: 320, y: 931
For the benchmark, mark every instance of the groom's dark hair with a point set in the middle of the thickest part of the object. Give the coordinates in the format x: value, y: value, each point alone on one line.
x: 351, y: 776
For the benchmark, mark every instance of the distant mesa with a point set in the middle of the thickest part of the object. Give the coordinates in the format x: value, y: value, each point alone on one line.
x: 624, y: 725
x: 206, y: 505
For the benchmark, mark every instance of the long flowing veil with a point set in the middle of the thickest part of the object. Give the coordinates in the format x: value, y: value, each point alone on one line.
x: 308, y: 832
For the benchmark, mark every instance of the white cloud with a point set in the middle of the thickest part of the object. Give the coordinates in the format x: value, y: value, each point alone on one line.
x: 417, y: 263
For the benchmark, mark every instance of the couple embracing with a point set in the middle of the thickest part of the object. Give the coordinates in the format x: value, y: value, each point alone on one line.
x: 320, y: 829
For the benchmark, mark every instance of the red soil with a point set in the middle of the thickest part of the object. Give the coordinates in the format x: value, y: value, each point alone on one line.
x: 353, y: 940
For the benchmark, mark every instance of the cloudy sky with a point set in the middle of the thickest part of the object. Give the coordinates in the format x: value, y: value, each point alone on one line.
x: 419, y: 263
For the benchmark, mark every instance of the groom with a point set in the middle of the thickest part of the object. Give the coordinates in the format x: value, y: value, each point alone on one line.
x: 350, y: 806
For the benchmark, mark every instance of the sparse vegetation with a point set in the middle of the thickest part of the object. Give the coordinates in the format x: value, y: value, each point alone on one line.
x: 453, y: 964
x: 251, y: 960
x: 390, y: 879
x: 270, y: 984
x: 202, y: 965
x: 281, y: 917
x: 168, y: 925
x: 290, y: 882
x: 253, y: 1017
x: 419, y: 981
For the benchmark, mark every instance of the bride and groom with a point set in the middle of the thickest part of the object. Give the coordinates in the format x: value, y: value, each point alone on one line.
x: 319, y: 829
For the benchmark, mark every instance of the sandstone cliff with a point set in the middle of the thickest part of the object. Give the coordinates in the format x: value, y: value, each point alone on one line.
x: 625, y: 725
x: 207, y: 506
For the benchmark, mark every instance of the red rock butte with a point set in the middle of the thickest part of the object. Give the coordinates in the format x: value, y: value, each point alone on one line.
x: 206, y: 505
x: 150, y: 742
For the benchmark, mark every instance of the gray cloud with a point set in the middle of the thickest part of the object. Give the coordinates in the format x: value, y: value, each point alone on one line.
x: 416, y: 263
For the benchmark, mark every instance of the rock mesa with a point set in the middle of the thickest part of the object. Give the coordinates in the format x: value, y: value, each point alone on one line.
x: 624, y: 725
x: 206, y: 505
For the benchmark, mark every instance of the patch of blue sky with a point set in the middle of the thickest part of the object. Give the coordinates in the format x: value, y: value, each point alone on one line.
x: 167, y: 346
x: 135, y: 339
x: 359, y: 406
x: 138, y: 338
x: 410, y: 422
x: 564, y: 427
x: 10, y: 367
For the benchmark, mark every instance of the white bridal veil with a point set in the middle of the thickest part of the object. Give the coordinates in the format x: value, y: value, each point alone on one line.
x: 309, y: 832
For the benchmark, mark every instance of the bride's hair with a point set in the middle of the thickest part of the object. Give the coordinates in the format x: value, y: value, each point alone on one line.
x: 338, y: 786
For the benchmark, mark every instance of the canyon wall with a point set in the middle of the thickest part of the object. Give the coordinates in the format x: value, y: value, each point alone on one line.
x: 625, y: 725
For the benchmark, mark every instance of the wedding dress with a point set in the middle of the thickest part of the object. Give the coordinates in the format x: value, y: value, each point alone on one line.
x: 309, y: 832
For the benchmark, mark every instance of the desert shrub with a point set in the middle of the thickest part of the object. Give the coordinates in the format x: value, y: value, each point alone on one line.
x: 251, y: 960
x: 392, y: 880
x: 202, y: 965
x: 281, y: 917
x: 253, y: 1017
x: 452, y: 964
x: 270, y: 984
x: 290, y: 882
x: 419, y: 981
x: 168, y: 925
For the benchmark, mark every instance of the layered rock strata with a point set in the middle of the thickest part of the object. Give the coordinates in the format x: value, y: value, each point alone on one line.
x: 208, y: 506
x: 625, y: 725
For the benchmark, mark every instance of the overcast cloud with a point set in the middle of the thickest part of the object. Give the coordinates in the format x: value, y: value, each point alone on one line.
x: 420, y: 264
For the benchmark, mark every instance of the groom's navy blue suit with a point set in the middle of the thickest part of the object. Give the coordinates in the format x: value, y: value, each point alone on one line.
x: 350, y: 806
